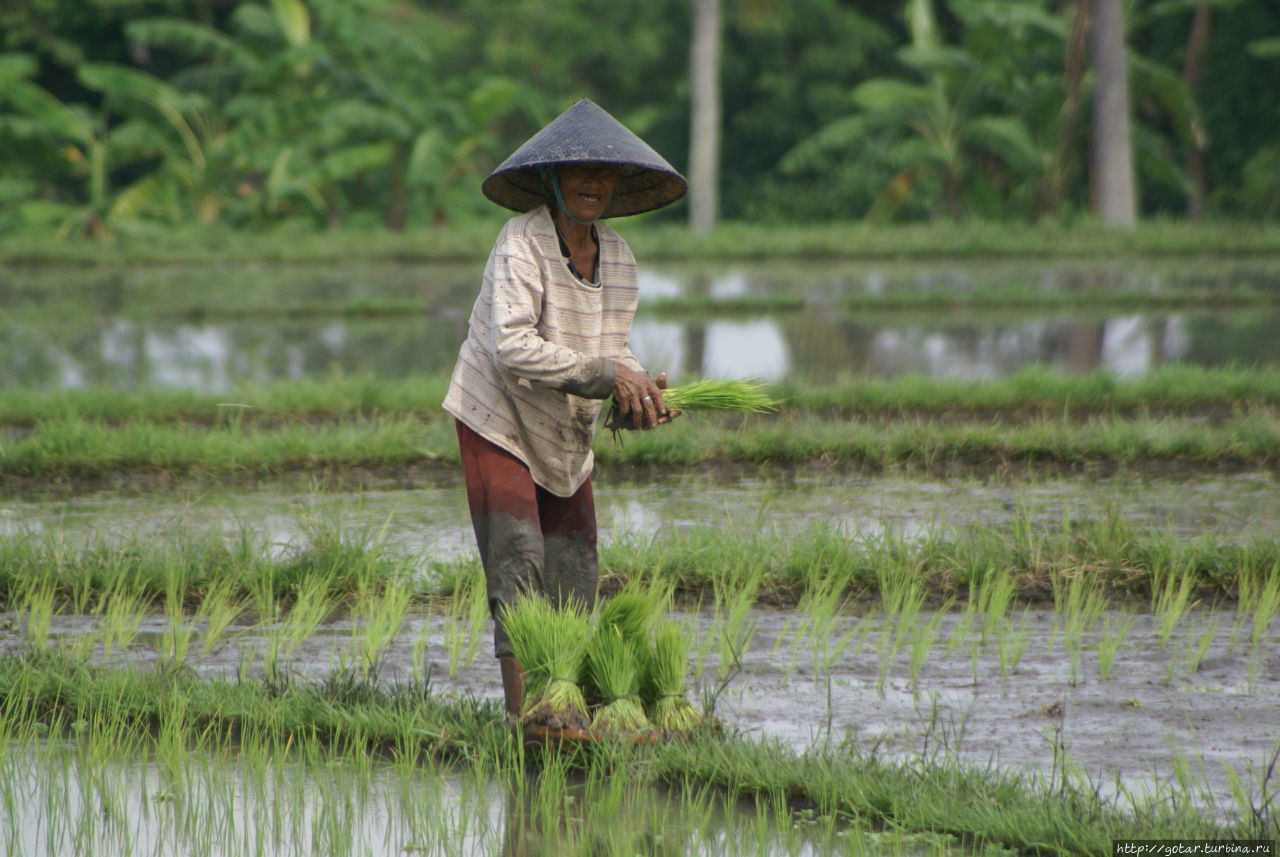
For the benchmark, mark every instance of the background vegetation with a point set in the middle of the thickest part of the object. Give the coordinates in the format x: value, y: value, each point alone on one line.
x: 365, y: 113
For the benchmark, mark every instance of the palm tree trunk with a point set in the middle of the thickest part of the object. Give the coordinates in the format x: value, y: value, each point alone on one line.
x: 1113, y: 182
x: 704, y: 143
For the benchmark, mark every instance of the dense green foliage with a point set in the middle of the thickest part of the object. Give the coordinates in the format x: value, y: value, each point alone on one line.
x: 115, y: 114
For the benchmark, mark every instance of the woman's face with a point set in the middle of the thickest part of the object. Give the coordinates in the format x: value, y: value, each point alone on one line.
x: 587, y: 188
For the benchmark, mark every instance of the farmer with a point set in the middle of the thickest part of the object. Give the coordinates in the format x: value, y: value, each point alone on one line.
x: 547, y: 343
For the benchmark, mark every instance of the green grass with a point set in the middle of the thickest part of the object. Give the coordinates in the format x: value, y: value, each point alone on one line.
x: 1200, y: 418
x: 654, y: 240
x: 817, y: 566
x: 1031, y: 391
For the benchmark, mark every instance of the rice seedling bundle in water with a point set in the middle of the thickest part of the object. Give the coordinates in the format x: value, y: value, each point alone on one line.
x: 663, y: 681
x: 611, y: 661
x: 550, y: 644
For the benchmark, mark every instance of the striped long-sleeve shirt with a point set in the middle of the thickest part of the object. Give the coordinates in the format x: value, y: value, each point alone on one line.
x: 541, y: 351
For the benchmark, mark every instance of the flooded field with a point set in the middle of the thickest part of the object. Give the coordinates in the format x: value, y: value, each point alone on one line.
x: 1169, y: 702
x: 145, y: 326
x: 428, y: 514
x: 1112, y: 698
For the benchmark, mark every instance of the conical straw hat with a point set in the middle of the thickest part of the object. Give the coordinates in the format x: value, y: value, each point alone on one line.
x: 585, y: 132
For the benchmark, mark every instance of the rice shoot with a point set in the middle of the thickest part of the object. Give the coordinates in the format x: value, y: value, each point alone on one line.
x: 550, y: 644
x: 663, y: 681
x: 718, y: 394
x: 631, y: 612
x: 738, y: 396
x: 611, y: 661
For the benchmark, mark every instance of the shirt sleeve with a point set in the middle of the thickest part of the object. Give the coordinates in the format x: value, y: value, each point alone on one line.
x: 517, y: 346
x: 629, y: 360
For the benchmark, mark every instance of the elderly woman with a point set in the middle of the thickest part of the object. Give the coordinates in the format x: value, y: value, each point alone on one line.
x: 548, y: 342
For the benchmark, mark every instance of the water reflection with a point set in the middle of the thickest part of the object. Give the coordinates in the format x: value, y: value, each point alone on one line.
x: 817, y: 344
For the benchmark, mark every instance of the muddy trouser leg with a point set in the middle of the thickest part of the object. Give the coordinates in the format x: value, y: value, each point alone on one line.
x: 530, y: 540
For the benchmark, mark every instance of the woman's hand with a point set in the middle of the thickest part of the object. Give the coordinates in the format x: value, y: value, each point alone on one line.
x: 641, y: 398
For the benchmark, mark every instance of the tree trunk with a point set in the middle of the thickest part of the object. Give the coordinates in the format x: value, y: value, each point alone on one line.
x: 704, y: 143
x: 1113, y: 191
x: 1192, y: 72
x: 1074, y: 63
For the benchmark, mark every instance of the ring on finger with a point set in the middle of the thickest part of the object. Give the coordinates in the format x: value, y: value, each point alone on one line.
x: 646, y: 398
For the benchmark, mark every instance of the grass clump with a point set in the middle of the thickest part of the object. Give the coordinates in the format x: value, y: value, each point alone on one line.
x: 663, y: 689
x: 550, y: 642
x: 611, y: 663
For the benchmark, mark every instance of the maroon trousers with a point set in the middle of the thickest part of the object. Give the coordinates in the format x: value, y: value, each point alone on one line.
x: 530, y: 540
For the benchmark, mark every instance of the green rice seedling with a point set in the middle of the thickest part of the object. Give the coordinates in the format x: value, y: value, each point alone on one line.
x: 376, y: 619
x: 1085, y: 603
x: 418, y: 655
x: 121, y: 618
x: 466, y: 616
x: 826, y: 653
x: 175, y: 640
x: 550, y: 644
x: 217, y: 611
x: 742, y: 396
x: 662, y: 684
x: 615, y: 673
x: 994, y: 594
x: 37, y: 609
x: 632, y: 610
x: 1198, y: 643
x: 714, y: 394
x: 1266, y: 604
x: 902, y: 596
x: 922, y: 640
x: 1115, y: 630
x: 734, y: 600
x: 1012, y: 644
x: 1171, y: 601
x: 477, y: 619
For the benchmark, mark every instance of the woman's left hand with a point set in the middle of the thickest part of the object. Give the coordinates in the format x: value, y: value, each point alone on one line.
x: 641, y: 398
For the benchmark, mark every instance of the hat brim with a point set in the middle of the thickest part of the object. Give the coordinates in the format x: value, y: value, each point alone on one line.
x: 586, y: 134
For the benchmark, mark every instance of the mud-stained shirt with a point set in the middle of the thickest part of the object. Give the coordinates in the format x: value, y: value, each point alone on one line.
x: 541, y: 349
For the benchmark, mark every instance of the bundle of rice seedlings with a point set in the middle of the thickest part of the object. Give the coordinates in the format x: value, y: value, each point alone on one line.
x: 550, y: 644
x: 743, y: 396
x: 662, y: 684
x: 716, y: 394
x: 631, y: 612
x: 616, y: 675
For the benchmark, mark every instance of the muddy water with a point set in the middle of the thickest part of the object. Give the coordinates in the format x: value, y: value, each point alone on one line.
x: 145, y: 333
x: 220, y: 806
x: 1160, y: 706
x: 1179, y: 716
x: 430, y: 519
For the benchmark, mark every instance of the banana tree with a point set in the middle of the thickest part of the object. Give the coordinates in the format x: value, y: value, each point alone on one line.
x: 940, y: 131
x: 93, y: 143
x: 305, y: 106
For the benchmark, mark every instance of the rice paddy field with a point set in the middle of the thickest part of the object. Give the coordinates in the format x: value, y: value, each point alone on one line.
x: 1000, y: 574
